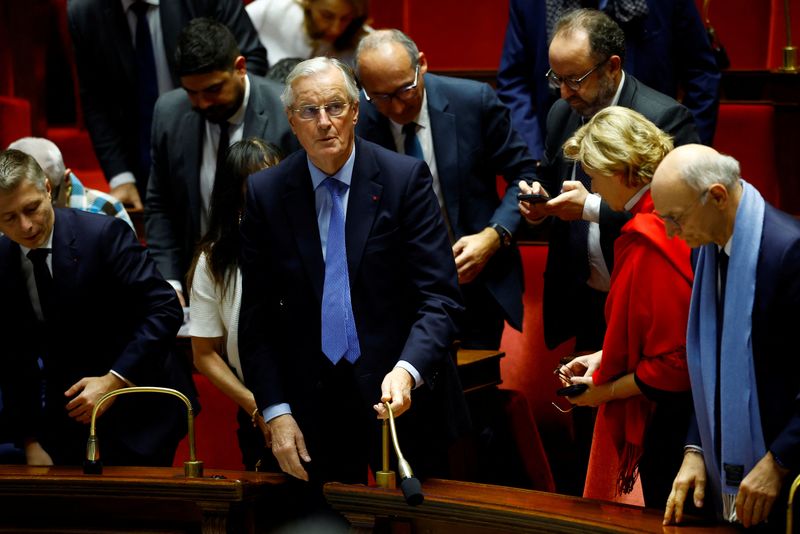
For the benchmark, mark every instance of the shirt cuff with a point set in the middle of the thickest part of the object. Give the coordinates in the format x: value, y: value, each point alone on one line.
x: 128, y: 382
x: 176, y: 285
x: 121, y: 179
x: 418, y: 381
x: 591, y: 208
x: 271, y: 412
x: 693, y: 448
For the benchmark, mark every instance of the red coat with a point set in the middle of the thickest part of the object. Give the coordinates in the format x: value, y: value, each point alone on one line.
x: 646, y: 312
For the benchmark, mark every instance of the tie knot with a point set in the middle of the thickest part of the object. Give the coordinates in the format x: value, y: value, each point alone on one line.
x: 410, y: 128
x: 140, y: 7
x: 38, y: 254
x: 335, y: 187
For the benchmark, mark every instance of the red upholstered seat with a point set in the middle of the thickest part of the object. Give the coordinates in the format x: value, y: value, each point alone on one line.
x: 747, y: 132
x: 15, y: 119
x: 215, y: 430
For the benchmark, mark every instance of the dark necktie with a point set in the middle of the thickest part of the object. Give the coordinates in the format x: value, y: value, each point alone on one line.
x: 411, y: 144
x: 339, y: 336
x: 146, y: 81
x: 222, y: 147
x: 722, y: 266
x: 44, y: 280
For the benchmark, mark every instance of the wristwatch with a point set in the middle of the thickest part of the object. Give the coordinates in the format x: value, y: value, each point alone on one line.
x: 505, y: 235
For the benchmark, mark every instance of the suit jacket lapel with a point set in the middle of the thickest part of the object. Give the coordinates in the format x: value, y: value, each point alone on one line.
x: 301, y: 213
x: 628, y: 92
x: 255, y: 116
x: 443, y: 124
x: 365, y: 195
x: 65, y: 253
x: 189, y: 147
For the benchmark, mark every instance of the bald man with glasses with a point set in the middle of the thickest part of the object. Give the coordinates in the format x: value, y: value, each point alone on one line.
x: 464, y: 134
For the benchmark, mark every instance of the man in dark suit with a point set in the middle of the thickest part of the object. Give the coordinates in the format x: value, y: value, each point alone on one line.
x: 218, y: 100
x: 120, y: 81
x: 84, y: 312
x: 749, y: 252
x: 465, y: 136
x: 667, y: 49
x: 350, y: 295
x: 586, y: 57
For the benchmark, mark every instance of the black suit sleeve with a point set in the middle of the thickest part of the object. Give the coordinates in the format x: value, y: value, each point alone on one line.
x: 151, y: 299
x: 232, y: 14
x: 102, y: 103
x: 507, y: 155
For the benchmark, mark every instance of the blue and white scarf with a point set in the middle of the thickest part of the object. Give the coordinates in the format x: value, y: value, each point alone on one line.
x: 740, y: 431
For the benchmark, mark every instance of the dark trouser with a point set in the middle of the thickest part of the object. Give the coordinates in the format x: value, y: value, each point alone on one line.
x: 483, y: 319
x: 662, y: 451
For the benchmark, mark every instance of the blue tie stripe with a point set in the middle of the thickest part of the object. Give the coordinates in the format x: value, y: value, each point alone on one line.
x: 339, y: 336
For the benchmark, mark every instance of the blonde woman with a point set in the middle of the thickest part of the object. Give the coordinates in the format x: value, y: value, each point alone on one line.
x: 639, y: 380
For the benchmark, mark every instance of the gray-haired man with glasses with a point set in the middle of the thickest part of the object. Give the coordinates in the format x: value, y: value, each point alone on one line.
x: 349, y: 294
x: 464, y: 134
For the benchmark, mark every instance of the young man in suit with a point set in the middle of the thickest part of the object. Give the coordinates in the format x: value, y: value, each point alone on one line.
x: 123, y: 66
x: 218, y: 100
x: 743, y: 447
x: 84, y: 312
x: 464, y: 134
x: 350, y: 295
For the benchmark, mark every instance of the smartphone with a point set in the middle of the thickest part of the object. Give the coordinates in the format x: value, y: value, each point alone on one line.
x: 572, y: 391
x: 533, y: 198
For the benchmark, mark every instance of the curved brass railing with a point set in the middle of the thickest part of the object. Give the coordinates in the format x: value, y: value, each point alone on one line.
x: 191, y: 468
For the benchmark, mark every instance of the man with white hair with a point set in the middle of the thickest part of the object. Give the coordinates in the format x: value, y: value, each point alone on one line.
x: 338, y: 318
x: 68, y: 191
x: 743, y: 446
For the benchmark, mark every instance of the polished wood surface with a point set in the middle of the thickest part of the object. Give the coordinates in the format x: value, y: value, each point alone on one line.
x: 479, y: 369
x: 126, y: 499
x: 469, y: 508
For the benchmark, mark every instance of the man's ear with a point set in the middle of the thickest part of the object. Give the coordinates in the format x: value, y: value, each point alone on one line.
x: 423, y: 63
x: 240, y: 65
x: 614, y: 63
x: 718, y: 194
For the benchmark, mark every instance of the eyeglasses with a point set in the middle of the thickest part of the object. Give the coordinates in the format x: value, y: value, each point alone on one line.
x: 573, y: 83
x: 404, y: 93
x: 310, y: 113
x: 677, y: 220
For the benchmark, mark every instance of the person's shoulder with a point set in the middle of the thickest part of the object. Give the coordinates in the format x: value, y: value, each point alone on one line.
x: 83, y: 7
x: 780, y: 226
x: 646, y: 99
x: 173, y: 102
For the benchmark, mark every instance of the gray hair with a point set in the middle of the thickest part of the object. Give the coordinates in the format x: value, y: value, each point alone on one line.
x: 46, y: 154
x: 16, y: 166
x: 376, y: 39
x: 314, y: 66
x: 708, y: 169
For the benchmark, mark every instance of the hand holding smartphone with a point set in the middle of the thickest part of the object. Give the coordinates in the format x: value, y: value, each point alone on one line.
x: 572, y: 391
x: 533, y: 198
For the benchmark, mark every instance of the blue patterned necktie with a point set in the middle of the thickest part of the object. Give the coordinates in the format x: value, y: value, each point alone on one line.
x: 339, y: 336
x: 411, y: 145
x: 146, y: 81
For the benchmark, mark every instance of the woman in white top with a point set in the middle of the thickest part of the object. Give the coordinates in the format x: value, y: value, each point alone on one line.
x: 308, y: 28
x: 215, y: 286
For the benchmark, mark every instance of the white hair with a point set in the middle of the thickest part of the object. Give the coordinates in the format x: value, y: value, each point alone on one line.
x: 317, y: 65
x: 46, y: 154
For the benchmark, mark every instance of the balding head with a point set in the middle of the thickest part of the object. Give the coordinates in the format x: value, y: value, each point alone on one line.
x: 697, y: 190
x: 46, y: 154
